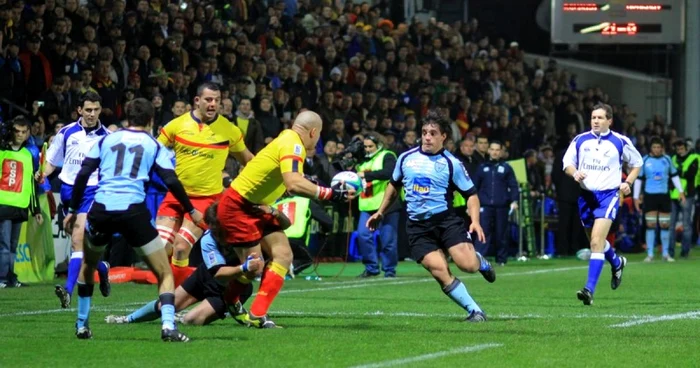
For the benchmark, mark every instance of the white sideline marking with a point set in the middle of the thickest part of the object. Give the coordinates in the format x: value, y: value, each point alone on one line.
x: 61, y: 310
x: 452, y: 315
x: 653, y: 319
x: 420, y: 358
x: 344, y: 285
x: 124, y: 308
x: 421, y: 280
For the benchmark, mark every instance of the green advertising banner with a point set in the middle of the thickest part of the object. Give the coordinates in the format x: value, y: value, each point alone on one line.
x: 34, y: 261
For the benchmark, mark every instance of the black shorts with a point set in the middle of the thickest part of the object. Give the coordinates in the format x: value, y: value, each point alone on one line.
x: 441, y: 231
x: 134, y: 224
x: 657, y: 202
x: 202, y: 286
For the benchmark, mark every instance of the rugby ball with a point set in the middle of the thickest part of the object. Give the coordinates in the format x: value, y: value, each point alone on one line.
x: 349, y: 179
x: 583, y: 254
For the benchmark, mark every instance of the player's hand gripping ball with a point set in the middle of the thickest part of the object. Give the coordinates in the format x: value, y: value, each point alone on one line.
x: 349, y: 180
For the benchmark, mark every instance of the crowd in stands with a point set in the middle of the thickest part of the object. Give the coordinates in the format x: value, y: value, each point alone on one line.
x: 360, y: 70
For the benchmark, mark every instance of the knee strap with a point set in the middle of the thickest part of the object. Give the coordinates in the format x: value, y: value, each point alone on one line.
x: 650, y: 218
x: 189, y: 236
x: 664, y: 220
x: 167, y: 234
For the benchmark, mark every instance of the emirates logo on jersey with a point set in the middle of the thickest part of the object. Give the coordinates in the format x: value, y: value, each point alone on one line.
x: 289, y: 209
x: 11, y: 178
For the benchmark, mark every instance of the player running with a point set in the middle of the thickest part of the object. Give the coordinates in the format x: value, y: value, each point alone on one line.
x: 124, y: 160
x: 67, y: 150
x: 202, y: 140
x: 429, y: 174
x: 594, y: 159
x: 655, y: 173
x: 275, y: 169
x: 208, y: 282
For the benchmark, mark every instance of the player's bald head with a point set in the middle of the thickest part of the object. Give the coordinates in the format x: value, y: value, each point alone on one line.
x: 308, y: 120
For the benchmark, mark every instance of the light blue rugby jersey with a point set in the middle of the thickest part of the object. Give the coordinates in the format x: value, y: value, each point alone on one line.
x: 656, y: 173
x: 126, y: 159
x: 430, y: 180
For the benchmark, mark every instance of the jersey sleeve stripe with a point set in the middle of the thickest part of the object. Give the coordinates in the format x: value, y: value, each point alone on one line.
x: 162, y: 131
x: 240, y: 138
x: 290, y: 157
x: 218, y: 145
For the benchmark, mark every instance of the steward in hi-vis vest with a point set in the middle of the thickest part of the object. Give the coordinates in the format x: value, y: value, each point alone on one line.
x: 18, y: 189
x: 376, y: 172
x: 18, y: 194
x: 687, y: 167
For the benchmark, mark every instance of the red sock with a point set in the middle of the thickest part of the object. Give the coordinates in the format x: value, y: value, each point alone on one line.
x: 233, y: 291
x: 180, y: 274
x: 272, y: 281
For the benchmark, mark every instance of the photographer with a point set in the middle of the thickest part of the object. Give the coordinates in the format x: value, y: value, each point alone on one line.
x: 376, y: 171
x: 18, y: 193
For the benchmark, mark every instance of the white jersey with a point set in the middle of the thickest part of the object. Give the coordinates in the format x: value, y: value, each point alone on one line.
x: 70, y: 146
x: 600, y: 157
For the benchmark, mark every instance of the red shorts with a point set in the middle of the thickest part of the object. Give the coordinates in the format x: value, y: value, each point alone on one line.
x: 170, y: 206
x: 243, y: 228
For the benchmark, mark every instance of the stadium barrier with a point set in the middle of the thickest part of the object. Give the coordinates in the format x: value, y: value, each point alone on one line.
x: 35, y: 259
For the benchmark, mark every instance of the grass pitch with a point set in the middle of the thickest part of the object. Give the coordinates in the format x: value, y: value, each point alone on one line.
x: 534, y: 320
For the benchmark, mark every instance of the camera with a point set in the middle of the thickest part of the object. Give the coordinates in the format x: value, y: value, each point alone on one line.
x: 356, y: 149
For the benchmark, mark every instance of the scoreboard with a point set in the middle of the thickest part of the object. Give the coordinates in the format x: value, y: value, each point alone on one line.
x: 618, y: 22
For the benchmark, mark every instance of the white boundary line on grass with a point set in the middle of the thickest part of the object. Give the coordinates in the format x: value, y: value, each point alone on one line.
x: 502, y: 316
x: 344, y: 285
x: 355, y: 284
x: 654, y: 319
x: 431, y: 356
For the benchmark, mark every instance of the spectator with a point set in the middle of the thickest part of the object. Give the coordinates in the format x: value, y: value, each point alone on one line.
x: 271, y: 124
x: 37, y: 69
x: 249, y: 126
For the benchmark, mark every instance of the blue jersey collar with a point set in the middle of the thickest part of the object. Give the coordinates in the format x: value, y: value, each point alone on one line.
x: 420, y: 149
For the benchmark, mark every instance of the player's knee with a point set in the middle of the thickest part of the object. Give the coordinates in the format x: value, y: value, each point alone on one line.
x: 283, y: 255
x: 193, y: 318
x: 664, y: 221
x: 186, y: 238
x: 167, y: 234
x: 651, y: 220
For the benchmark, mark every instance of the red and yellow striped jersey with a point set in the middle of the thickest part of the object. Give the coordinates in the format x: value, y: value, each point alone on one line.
x: 201, y: 150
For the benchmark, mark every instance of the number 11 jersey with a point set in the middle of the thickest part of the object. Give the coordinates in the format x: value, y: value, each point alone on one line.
x: 126, y: 159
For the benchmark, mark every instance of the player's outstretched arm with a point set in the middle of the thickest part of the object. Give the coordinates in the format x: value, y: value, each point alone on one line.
x: 634, y: 173
x: 171, y: 181
x: 296, y: 184
x: 243, y: 157
x: 390, y: 195
x: 474, y: 209
x: 253, y: 264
